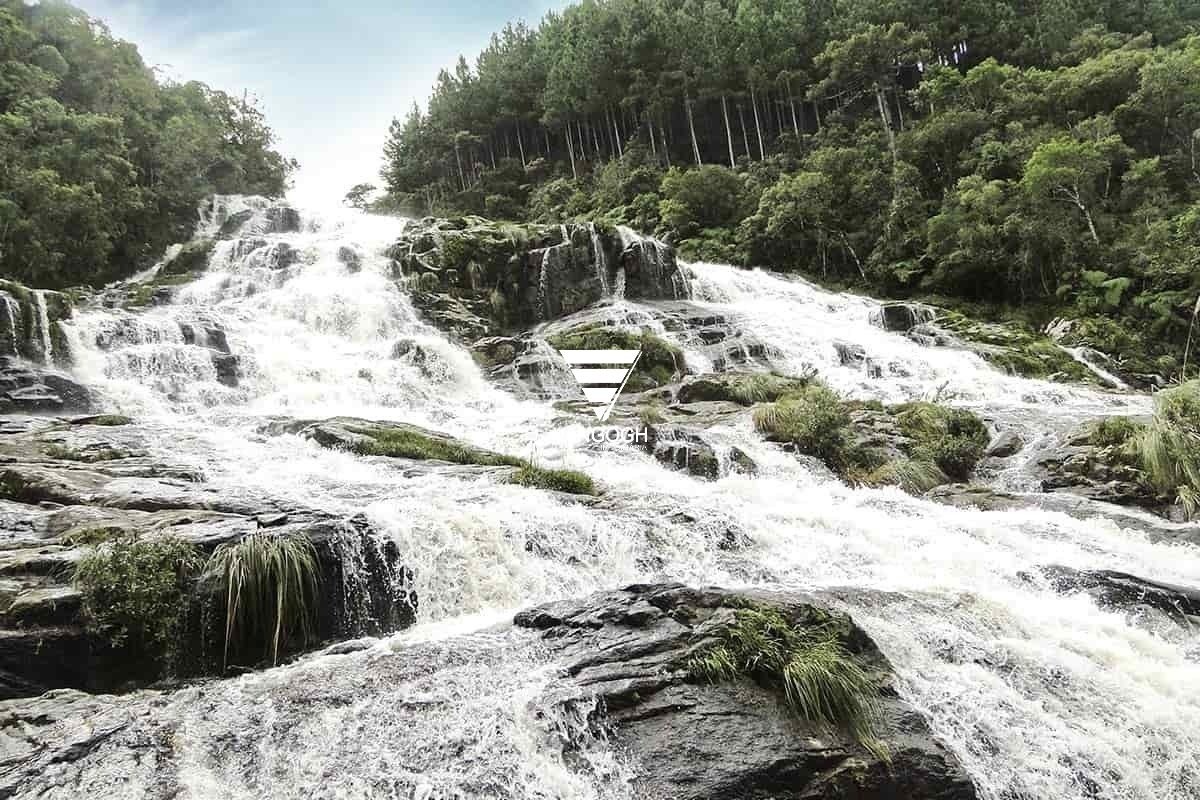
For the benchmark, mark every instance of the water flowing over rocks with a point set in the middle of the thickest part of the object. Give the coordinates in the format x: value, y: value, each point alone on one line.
x: 64, y: 483
x: 373, y: 384
x: 688, y: 739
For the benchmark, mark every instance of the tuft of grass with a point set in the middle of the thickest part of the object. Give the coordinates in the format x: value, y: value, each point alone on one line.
x: 916, y: 477
x: 952, y: 438
x: 272, y: 587
x: 95, y: 536
x: 651, y: 414
x: 813, y: 419
x: 1114, y: 431
x: 91, y: 456
x: 744, y: 388
x: 1168, y: 447
x: 557, y: 480
x: 406, y: 443
x: 820, y: 680
x: 134, y: 591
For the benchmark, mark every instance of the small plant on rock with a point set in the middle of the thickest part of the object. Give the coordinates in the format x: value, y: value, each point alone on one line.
x: 1169, y: 445
x: 134, y: 592
x: 813, y: 419
x: 821, y: 681
x: 271, y: 588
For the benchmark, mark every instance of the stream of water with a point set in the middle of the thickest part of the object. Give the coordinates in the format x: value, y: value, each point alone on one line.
x: 1041, y: 695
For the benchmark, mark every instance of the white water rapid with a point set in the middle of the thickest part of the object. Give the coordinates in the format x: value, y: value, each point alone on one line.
x: 1041, y: 695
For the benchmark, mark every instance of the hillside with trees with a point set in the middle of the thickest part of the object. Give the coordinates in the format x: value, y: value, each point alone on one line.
x: 102, y: 165
x: 1037, y: 159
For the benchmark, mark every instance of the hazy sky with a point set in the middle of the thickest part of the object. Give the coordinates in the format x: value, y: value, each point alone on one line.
x: 330, y: 75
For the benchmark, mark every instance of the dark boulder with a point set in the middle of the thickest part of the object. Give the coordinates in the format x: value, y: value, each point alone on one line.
x: 282, y: 219
x: 901, y: 317
x: 691, y: 740
x: 1120, y: 589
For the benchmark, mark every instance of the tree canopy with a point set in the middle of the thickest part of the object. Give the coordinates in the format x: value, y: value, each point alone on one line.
x: 102, y: 165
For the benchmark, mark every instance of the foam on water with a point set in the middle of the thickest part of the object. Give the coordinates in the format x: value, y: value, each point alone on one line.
x: 1042, y: 695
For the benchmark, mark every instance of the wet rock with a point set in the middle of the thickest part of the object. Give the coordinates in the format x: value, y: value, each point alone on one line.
x: 204, y: 336
x: 233, y: 223
x: 350, y: 258
x: 228, y: 368
x: 29, y: 388
x: 1005, y: 445
x: 60, y: 506
x: 688, y: 450
x: 1079, y: 466
x: 1120, y: 589
x: 281, y: 255
x: 849, y: 354
x: 282, y: 219
x: 901, y: 317
x: 689, y: 739
x: 475, y: 278
x: 961, y: 495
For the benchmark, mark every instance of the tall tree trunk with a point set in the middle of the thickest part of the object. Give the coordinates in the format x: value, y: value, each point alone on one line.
x: 899, y: 107
x: 757, y: 125
x: 728, y: 131
x: 521, y: 145
x: 617, y: 134
x: 666, y: 147
x: 581, y: 141
x: 571, y: 151
x: 687, y: 105
x: 745, y: 138
x: 653, y: 144
x: 462, y: 177
x: 817, y: 113
x: 546, y: 133
x: 492, y: 152
x: 885, y: 118
x: 792, y: 103
x: 596, y: 141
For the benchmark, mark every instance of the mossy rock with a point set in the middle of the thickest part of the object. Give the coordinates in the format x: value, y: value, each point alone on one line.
x: 744, y: 388
x: 1015, y: 348
x: 659, y: 364
x: 191, y: 259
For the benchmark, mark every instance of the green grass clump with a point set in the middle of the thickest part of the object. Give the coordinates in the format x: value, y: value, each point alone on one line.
x: 134, y: 591
x: 1168, y: 447
x: 1114, y: 431
x: 92, y: 456
x: 814, y: 419
x: 106, y: 420
x: 744, y: 388
x: 659, y: 364
x: 916, y: 477
x: 94, y: 536
x: 272, y: 587
x: 820, y: 680
x: 952, y: 438
x: 409, y: 443
x: 556, y: 480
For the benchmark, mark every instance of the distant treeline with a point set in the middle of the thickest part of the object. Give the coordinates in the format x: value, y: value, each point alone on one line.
x: 101, y: 164
x: 1041, y: 154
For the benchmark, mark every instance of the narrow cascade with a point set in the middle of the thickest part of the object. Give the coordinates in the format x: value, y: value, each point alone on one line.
x: 601, y: 258
x: 12, y: 312
x: 1086, y: 357
x: 1041, y: 694
x: 43, y: 327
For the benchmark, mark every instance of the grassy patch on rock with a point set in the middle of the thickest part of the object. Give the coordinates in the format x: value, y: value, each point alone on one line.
x: 744, y: 388
x: 659, y: 364
x: 556, y: 480
x: 1168, y: 447
x: 819, y: 679
x: 1016, y: 348
x: 134, y: 594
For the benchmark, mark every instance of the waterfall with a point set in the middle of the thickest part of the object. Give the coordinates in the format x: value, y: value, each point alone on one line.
x: 601, y: 258
x: 1042, y: 695
x: 43, y: 326
x: 1087, y: 357
x: 12, y: 312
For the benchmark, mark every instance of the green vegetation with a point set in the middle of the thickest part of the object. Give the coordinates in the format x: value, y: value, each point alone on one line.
x: 104, y: 165
x: 400, y: 442
x: 272, y: 588
x: 952, y: 438
x: 1168, y: 447
x: 744, y: 388
x: 192, y: 258
x: 1049, y: 170
x: 555, y: 480
x: 1114, y: 432
x: 107, y: 420
x: 660, y: 362
x: 821, y: 681
x: 938, y: 443
x: 134, y: 593
x: 89, y: 456
x: 814, y: 420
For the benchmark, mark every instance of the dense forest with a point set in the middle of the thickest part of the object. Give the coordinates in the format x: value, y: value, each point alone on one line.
x: 101, y: 164
x: 1042, y: 155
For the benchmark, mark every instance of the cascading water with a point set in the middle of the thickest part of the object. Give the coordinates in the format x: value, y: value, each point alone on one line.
x: 1042, y: 695
x: 43, y: 327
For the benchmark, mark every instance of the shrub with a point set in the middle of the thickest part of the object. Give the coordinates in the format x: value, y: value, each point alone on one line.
x: 744, y: 388
x: 1168, y: 447
x: 271, y: 587
x: 916, y: 477
x: 1113, y: 431
x: 710, y: 196
x: 134, y: 593
x: 813, y: 419
x: 555, y: 480
x: 820, y: 680
x: 952, y: 438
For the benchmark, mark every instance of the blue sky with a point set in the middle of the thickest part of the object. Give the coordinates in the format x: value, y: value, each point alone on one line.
x: 330, y: 75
